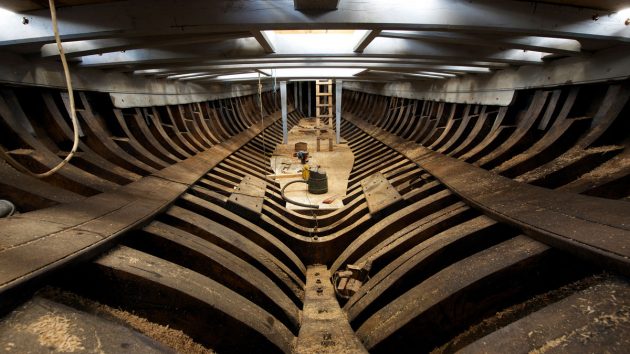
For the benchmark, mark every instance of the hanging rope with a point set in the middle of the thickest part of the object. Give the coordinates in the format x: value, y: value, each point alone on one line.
x: 73, y: 115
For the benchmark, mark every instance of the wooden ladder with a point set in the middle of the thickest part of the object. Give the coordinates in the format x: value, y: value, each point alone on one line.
x: 324, y: 109
x: 323, y: 102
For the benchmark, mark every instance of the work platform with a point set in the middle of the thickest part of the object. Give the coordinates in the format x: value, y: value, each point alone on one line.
x: 337, y: 164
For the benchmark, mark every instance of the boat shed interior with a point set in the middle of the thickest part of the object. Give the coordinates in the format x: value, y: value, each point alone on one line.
x: 314, y: 176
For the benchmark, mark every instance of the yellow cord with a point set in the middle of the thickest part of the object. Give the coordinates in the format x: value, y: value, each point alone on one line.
x: 73, y: 114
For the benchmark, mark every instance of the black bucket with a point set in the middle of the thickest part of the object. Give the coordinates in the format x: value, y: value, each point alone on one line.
x: 317, y: 182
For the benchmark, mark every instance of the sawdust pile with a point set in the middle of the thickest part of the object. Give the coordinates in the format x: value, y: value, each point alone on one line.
x: 513, y: 313
x: 53, y: 331
x: 175, y: 339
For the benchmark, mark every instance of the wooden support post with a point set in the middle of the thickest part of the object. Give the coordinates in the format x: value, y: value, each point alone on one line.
x: 323, y: 101
x: 283, y: 99
x: 310, y: 112
x: 300, y: 96
x: 330, y: 105
x: 338, y: 111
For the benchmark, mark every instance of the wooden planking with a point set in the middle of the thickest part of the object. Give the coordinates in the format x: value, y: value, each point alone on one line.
x: 34, y: 238
x: 390, y: 224
x: 239, y: 245
x: 419, y: 262
x: 379, y: 193
x: 482, y: 270
x: 148, y: 283
x: 563, y: 220
x: 191, y: 251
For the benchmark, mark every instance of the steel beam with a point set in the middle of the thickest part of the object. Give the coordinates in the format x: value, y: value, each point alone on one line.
x: 352, y: 58
x: 264, y: 41
x: 368, y: 37
x: 162, y: 17
x: 244, y: 47
x: 499, y: 87
x: 98, y: 46
x: 334, y: 64
x: 540, y: 44
x: 315, y: 5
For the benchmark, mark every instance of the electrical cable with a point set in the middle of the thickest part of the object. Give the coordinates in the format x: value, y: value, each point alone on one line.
x: 73, y: 115
x: 293, y: 201
x: 10, y: 208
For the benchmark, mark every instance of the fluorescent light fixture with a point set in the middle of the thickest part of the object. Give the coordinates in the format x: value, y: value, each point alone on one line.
x: 180, y: 76
x: 238, y: 76
x: 149, y: 71
x: 318, y: 72
x: 437, y: 73
x: 190, y: 78
x: 425, y: 75
x: 401, y: 74
x: 301, y: 73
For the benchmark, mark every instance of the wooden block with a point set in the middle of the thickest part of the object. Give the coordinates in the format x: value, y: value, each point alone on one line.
x: 379, y: 193
x: 248, y: 197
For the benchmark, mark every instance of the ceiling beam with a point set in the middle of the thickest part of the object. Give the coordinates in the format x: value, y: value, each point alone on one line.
x: 368, y: 37
x: 541, y: 44
x: 264, y: 41
x: 162, y: 17
x: 404, y: 67
x: 99, y: 46
x: 248, y: 47
x: 315, y: 5
x: 204, y: 64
